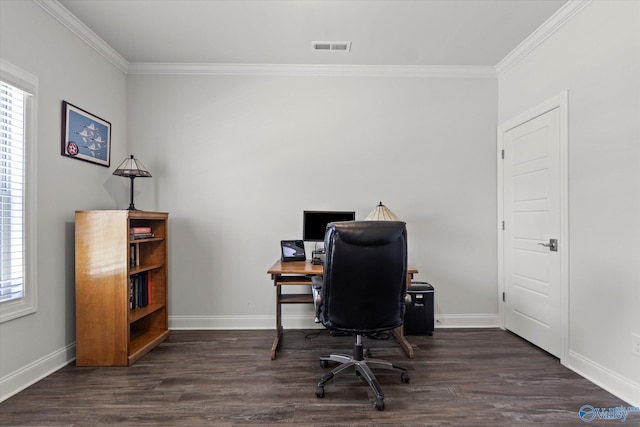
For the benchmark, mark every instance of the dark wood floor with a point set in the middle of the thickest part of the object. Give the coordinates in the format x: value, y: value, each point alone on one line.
x: 459, y: 377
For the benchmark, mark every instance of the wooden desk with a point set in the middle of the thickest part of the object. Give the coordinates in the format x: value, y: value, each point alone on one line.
x: 299, y: 273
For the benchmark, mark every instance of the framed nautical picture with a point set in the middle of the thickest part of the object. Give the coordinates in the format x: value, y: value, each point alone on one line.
x: 85, y: 136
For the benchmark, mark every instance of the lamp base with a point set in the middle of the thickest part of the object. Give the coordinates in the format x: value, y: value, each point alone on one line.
x: 131, y: 206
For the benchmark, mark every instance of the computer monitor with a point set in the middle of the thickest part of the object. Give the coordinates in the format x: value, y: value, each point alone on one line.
x: 314, y: 224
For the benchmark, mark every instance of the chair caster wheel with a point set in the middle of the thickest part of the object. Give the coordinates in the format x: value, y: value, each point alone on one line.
x: 379, y: 404
x: 404, y: 377
x: 320, y: 392
x: 324, y: 363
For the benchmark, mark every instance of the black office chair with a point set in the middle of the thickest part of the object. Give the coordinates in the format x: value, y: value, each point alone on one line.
x: 362, y: 292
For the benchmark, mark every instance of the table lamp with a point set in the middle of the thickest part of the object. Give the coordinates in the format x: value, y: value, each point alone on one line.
x: 132, y: 168
x: 381, y: 213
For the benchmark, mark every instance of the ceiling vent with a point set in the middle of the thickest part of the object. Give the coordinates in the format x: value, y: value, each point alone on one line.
x: 334, y: 46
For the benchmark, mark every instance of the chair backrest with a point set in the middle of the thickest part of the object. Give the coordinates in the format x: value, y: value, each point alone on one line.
x: 365, y: 276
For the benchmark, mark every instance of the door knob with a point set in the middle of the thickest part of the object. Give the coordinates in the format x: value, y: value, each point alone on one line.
x: 552, y: 245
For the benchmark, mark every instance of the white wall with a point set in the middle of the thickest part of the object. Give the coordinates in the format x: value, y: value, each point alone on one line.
x: 67, y: 69
x: 236, y: 160
x: 596, y: 56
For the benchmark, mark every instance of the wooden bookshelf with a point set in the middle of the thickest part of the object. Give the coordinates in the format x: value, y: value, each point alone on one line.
x: 112, y: 327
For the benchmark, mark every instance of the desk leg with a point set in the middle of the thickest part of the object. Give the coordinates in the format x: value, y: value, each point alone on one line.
x: 276, y: 341
x: 398, y: 333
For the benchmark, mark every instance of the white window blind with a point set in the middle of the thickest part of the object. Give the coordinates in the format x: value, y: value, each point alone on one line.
x: 12, y: 188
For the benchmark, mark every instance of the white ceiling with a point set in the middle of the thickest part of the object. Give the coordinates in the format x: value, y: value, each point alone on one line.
x: 382, y: 32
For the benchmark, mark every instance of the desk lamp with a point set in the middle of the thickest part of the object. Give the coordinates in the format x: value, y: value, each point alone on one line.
x: 381, y: 213
x: 132, y: 168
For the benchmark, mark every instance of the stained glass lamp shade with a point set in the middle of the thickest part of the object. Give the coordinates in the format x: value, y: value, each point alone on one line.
x: 132, y: 168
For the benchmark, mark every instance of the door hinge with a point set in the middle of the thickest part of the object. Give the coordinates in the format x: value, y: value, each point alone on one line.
x: 503, y: 297
x: 503, y: 154
x: 503, y: 225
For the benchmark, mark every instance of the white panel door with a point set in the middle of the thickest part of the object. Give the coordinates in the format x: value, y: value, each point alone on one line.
x: 531, y: 210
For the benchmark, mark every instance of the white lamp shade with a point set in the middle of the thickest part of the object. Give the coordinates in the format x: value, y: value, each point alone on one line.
x: 382, y: 213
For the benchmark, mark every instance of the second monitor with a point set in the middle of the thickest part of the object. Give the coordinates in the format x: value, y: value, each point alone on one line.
x: 314, y: 224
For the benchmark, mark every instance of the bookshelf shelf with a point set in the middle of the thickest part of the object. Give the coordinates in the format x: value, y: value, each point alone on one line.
x: 153, y: 239
x: 121, y: 286
x: 142, y: 268
x: 138, y: 313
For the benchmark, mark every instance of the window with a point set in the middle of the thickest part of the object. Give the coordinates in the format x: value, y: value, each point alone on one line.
x: 18, y: 295
x: 11, y: 192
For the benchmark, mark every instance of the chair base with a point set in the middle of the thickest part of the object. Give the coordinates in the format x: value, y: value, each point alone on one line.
x: 362, y: 366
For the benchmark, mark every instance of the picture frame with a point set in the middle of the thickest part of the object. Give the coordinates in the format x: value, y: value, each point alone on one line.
x: 85, y: 136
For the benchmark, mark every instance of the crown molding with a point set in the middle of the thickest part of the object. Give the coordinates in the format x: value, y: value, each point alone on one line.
x: 66, y: 18
x: 549, y: 27
x: 542, y: 33
x: 313, y: 70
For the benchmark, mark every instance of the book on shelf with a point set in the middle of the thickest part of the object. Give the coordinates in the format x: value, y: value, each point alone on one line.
x: 140, y: 232
x: 142, y: 236
x: 132, y: 299
x: 134, y: 255
x: 140, y: 290
x: 149, y: 288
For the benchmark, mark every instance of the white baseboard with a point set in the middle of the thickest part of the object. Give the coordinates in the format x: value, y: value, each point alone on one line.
x: 623, y: 388
x: 17, y: 381
x: 467, y: 321
x: 304, y: 321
